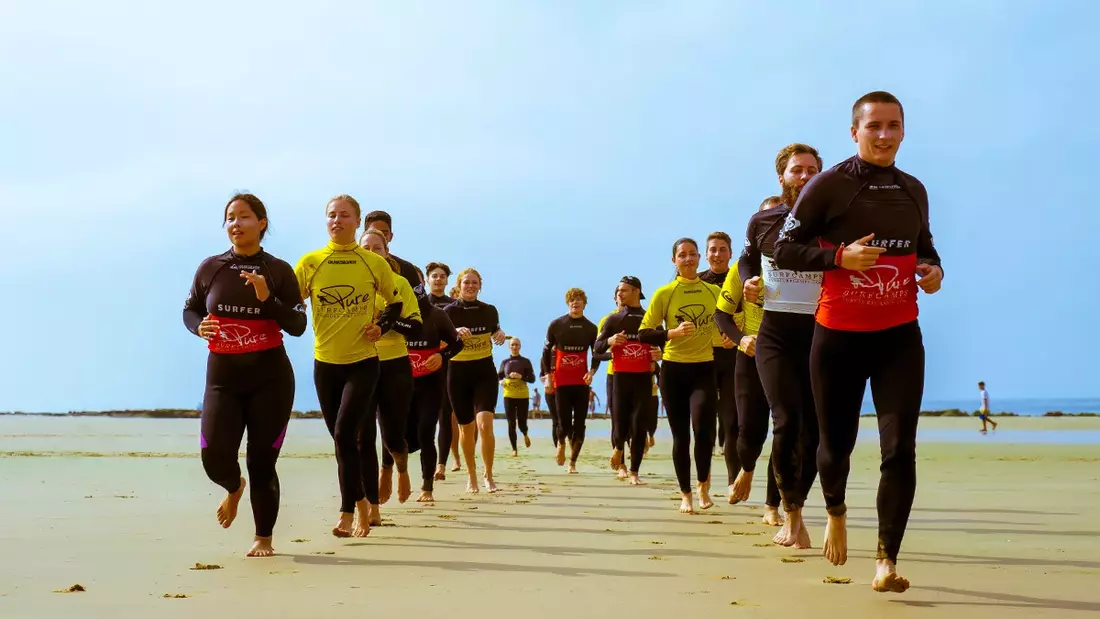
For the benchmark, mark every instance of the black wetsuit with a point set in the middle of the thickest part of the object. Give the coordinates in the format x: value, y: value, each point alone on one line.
x: 445, y: 415
x: 632, y: 383
x: 867, y: 327
x: 516, y: 409
x: 568, y: 341
x: 472, y: 378
x: 725, y: 371
x: 249, y: 379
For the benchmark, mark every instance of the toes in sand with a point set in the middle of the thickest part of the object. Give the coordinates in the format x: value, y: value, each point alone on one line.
x: 261, y: 547
x: 227, y: 511
x: 835, y: 548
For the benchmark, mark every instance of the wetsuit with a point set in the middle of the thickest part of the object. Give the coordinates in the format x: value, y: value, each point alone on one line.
x: 783, y: 355
x: 341, y: 282
x: 737, y: 318
x: 407, y: 270
x: 568, y: 341
x: 609, y: 385
x: 393, y: 396
x: 551, y: 401
x: 655, y: 402
x: 249, y: 379
x: 472, y: 379
x: 632, y: 384
x: 430, y: 387
x: 687, y: 374
x: 445, y: 415
x: 725, y: 369
x: 516, y: 394
x: 867, y: 325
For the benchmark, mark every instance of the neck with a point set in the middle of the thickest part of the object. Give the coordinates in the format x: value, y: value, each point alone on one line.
x: 437, y: 293
x: 720, y: 269
x: 340, y: 240
x: 689, y: 274
x: 247, y: 250
x: 577, y: 315
x: 468, y: 299
x: 634, y: 304
x: 877, y: 164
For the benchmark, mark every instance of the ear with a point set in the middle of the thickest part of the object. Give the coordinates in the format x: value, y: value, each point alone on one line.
x: 854, y: 130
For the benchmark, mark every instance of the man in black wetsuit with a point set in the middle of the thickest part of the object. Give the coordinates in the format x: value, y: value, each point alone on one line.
x: 565, y: 356
x: 719, y: 253
x: 381, y: 221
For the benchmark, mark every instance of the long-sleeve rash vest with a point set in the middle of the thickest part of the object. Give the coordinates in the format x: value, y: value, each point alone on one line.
x: 735, y: 316
x: 683, y: 300
x: 482, y: 320
x: 633, y: 356
x: 566, y: 350
x: 513, y: 387
x: 398, y: 321
x: 341, y: 282
x: 246, y: 324
x: 437, y: 329
x: 785, y: 290
x: 843, y: 204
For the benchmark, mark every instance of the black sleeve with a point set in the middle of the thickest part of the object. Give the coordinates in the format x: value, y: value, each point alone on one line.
x: 406, y: 327
x: 748, y: 265
x: 795, y: 249
x: 610, y: 327
x: 285, y: 302
x: 653, y: 337
x: 926, y: 250
x: 447, y: 334
x: 390, y: 315
x: 500, y: 372
x: 194, y: 308
x: 548, y: 349
x: 596, y: 358
x: 528, y: 372
x: 728, y: 326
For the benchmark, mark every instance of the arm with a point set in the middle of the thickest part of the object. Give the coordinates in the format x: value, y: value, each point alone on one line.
x: 448, y: 335
x: 651, y: 331
x: 500, y: 372
x: 608, y: 327
x: 548, y: 350
x: 528, y: 372
x: 926, y: 250
x: 748, y: 265
x: 194, y: 308
x: 285, y: 303
x: 794, y: 249
x: 728, y: 326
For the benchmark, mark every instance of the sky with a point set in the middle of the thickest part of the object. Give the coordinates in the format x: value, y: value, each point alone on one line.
x: 549, y: 144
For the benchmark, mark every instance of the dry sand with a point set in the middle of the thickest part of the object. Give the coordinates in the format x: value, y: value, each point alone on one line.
x: 998, y: 530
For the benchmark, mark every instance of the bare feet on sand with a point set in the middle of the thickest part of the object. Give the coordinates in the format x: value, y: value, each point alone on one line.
x: 741, y: 488
x: 794, y: 533
x: 635, y: 480
x: 490, y: 485
x: 375, y: 515
x: 515, y: 453
x: 835, y: 548
x: 772, y: 517
x: 362, y: 519
x: 559, y: 457
x: 261, y: 547
x: 526, y: 441
x: 425, y: 497
x: 227, y: 511
x: 887, y: 579
x: 343, y: 526
x: 456, y: 466
x: 623, y: 473
x: 572, y: 468
x: 686, y: 505
x: 704, y: 495
x: 385, y: 485
x: 471, y: 484
x: 440, y: 473
x: 616, y: 461
x: 404, y: 487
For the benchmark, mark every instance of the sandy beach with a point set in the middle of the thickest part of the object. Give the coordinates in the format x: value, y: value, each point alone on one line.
x: 1000, y: 528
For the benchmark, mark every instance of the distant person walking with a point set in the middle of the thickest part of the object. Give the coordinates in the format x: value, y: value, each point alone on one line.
x: 536, y: 401
x: 983, y: 412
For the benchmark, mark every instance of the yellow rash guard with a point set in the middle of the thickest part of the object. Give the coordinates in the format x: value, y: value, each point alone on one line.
x: 341, y: 282
x: 746, y: 315
x: 599, y: 329
x: 482, y: 321
x: 392, y: 345
x: 683, y: 300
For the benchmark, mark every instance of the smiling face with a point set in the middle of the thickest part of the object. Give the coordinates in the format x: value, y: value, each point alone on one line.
x: 437, y: 281
x: 469, y: 286
x: 686, y: 259
x: 514, y: 346
x: 879, y: 132
x: 800, y: 169
x: 343, y: 220
x: 718, y: 255
x: 243, y: 226
x: 374, y: 243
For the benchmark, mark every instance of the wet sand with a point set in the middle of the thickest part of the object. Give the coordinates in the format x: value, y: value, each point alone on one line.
x: 998, y: 530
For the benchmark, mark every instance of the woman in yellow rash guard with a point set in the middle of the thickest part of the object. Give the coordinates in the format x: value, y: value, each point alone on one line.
x: 393, y: 396
x: 340, y: 282
x: 472, y: 378
x: 685, y: 307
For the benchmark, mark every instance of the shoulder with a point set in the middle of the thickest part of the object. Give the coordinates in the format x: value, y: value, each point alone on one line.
x: 276, y: 264
x: 841, y: 176
x: 914, y: 185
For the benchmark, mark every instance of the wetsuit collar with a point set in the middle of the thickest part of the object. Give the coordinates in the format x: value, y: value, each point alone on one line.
x: 233, y: 253
x: 684, y: 280
x: 864, y: 167
x: 334, y: 246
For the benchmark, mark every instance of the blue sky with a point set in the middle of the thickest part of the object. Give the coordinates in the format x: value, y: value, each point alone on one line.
x: 548, y: 144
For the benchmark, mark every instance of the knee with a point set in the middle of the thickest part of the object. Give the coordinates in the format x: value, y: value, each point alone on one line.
x: 484, y: 424
x: 218, y: 463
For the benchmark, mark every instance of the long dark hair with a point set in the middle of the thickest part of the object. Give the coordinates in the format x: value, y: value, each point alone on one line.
x: 680, y: 241
x: 254, y: 203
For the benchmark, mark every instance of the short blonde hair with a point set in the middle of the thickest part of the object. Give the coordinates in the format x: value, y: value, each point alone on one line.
x: 469, y: 271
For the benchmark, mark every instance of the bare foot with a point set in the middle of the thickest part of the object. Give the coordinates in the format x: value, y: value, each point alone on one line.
x: 652, y: 441
x: 572, y: 468
x: 385, y: 485
x: 515, y: 453
x: 261, y: 547
x: 616, y: 460
x: 686, y: 505
x: 704, y: 495
x: 227, y: 511
x: 788, y: 535
x: 803, y: 542
x: 343, y: 525
x: 772, y: 517
x: 741, y: 488
x: 471, y: 486
x: 887, y: 579
x: 836, y: 540
x: 623, y: 473
x: 490, y: 486
x: 456, y: 466
x: 559, y: 457
x: 404, y: 487
x: 362, y: 519
x: 375, y: 515
x: 440, y: 473
x: 425, y: 497
x: 635, y: 480
x: 526, y: 441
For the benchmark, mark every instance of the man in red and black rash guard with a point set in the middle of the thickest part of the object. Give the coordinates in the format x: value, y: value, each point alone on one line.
x: 568, y: 340
x: 867, y: 317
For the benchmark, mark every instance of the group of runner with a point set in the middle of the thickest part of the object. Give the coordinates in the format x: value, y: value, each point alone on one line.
x: 822, y: 299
